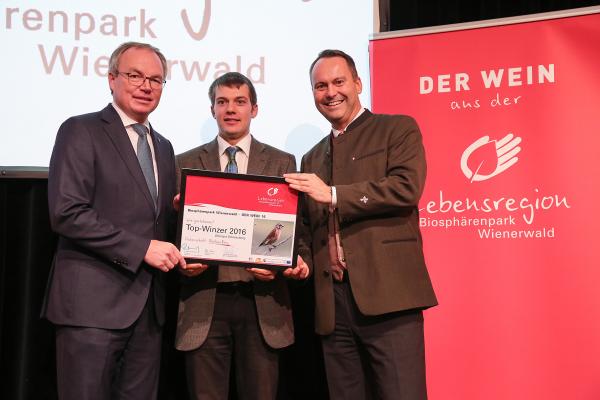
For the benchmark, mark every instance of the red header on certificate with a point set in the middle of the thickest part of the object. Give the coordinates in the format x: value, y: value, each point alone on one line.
x: 244, y: 195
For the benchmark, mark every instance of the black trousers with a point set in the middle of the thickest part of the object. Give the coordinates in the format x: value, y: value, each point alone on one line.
x: 234, y: 336
x: 108, y: 364
x: 380, y: 357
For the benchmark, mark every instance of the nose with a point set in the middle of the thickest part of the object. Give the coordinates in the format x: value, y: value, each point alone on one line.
x: 146, y: 85
x: 331, y: 91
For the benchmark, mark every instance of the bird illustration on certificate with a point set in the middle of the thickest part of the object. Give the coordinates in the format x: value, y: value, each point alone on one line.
x: 235, y: 219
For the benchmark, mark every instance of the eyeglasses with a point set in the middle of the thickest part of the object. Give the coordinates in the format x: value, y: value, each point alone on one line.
x: 138, y: 80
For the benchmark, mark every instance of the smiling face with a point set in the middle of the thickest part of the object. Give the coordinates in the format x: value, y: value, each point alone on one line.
x: 233, y: 111
x: 336, y: 91
x: 137, y: 101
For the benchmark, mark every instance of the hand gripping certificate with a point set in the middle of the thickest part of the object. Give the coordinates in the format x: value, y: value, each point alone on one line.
x: 236, y: 219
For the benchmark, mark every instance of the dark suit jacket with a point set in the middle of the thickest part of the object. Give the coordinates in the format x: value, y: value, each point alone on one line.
x: 378, y: 169
x: 197, y: 295
x: 102, y: 210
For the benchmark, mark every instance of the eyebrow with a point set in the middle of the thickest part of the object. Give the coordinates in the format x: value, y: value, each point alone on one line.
x: 137, y: 71
x: 234, y: 99
x: 336, y: 78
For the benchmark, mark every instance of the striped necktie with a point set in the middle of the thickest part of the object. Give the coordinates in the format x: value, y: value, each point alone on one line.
x: 231, y: 166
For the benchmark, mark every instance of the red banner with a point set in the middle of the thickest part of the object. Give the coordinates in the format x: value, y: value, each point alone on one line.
x: 511, y: 122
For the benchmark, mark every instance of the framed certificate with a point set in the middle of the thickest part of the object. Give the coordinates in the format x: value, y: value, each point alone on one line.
x: 236, y: 219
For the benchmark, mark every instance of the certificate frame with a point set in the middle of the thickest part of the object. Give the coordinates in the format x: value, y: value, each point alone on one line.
x: 240, y: 220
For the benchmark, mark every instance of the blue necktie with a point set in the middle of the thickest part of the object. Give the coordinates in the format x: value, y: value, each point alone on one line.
x: 228, y: 273
x: 231, y: 166
x: 145, y: 158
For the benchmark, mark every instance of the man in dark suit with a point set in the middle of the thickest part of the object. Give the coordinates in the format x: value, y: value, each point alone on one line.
x: 225, y: 312
x: 362, y: 185
x: 110, y: 188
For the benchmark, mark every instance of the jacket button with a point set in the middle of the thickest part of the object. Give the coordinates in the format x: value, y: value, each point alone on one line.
x: 326, y: 273
x: 323, y: 242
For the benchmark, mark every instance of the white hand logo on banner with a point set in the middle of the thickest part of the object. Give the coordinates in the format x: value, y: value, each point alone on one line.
x: 494, y: 157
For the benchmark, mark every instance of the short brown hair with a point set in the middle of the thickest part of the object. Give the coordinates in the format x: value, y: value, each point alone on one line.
x: 330, y: 53
x: 231, y: 79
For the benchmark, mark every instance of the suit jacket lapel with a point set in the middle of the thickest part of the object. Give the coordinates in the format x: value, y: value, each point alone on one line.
x: 324, y: 170
x: 118, y: 135
x: 159, y: 154
x: 209, y: 158
x: 257, y: 160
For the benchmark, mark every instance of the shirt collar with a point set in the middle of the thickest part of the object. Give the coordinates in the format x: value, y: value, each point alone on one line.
x: 243, y: 144
x: 336, y: 133
x: 126, y: 119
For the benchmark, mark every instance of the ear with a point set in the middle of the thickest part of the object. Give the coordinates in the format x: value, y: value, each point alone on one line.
x: 254, y: 110
x: 212, y: 111
x: 358, y: 84
x: 111, y: 81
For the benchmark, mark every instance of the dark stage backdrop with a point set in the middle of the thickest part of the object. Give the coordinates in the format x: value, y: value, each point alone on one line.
x: 417, y: 14
x: 26, y: 248
x: 27, y: 363
x: 27, y: 244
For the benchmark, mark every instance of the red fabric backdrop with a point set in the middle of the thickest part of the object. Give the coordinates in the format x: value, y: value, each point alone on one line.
x: 510, y: 211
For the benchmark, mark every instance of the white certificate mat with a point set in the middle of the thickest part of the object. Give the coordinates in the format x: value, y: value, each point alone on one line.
x: 235, y: 219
